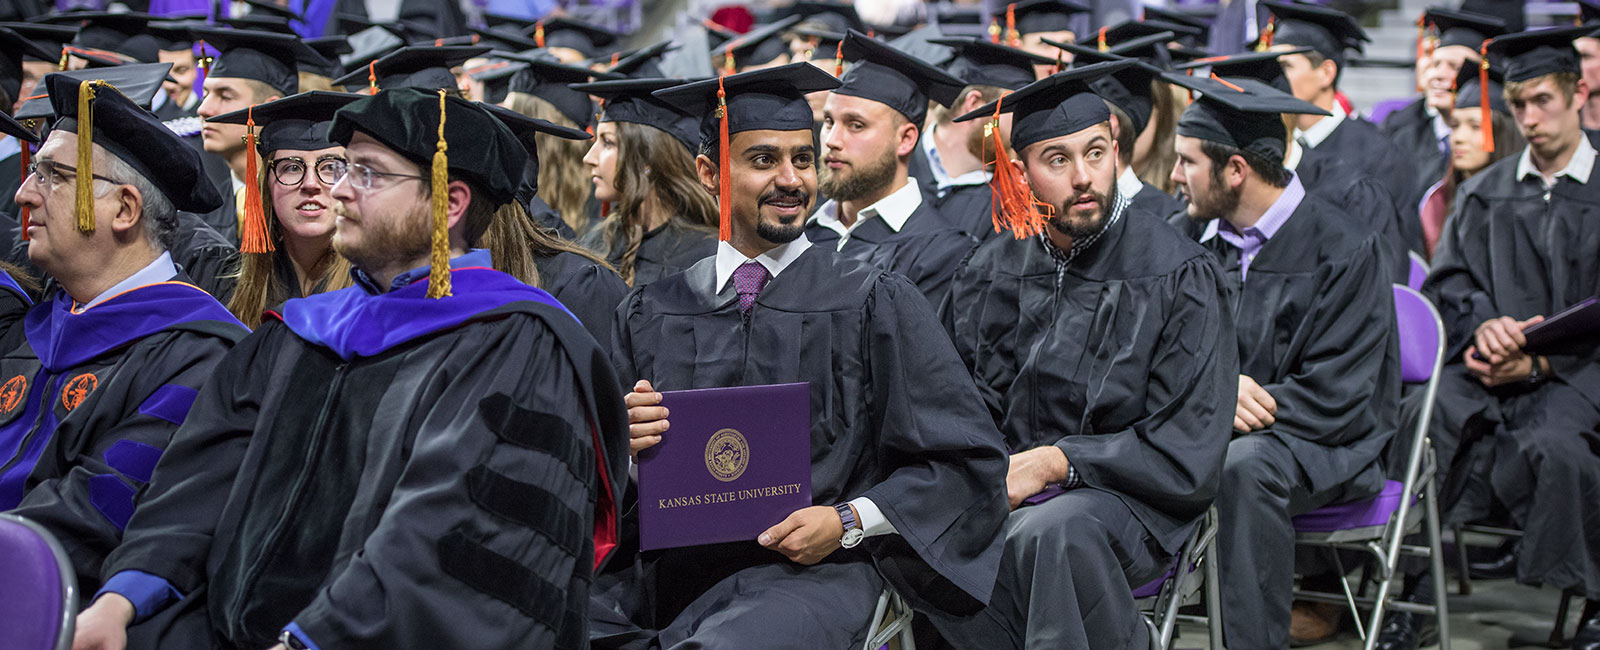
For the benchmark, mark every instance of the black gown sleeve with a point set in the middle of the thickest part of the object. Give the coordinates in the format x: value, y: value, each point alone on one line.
x: 592, y: 292
x: 1455, y: 284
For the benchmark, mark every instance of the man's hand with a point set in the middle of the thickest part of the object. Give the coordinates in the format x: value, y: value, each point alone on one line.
x: 1033, y: 469
x: 1510, y: 371
x: 1500, y: 340
x: 104, y: 626
x: 807, y: 536
x: 646, y: 420
x: 1257, y: 409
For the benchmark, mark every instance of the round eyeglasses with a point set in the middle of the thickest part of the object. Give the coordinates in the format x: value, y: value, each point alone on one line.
x: 291, y: 170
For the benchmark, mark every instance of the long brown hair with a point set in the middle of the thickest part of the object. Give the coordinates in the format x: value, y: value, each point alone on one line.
x: 563, y: 178
x: 515, y: 243
x: 1156, y: 168
x: 258, y: 285
x: 1508, y: 141
x: 651, y: 163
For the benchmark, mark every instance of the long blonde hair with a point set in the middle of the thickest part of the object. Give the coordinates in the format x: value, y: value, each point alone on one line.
x: 258, y: 285
x: 563, y: 178
x: 652, y: 163
x: 1156, y: 168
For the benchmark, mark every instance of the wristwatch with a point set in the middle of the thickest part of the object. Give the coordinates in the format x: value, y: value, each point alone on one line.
x: 1536, y: 376
x: 290, y: 641
x: 852, y: 528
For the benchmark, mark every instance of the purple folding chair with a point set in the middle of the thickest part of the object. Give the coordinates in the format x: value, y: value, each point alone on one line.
x: 40, y: 600
x: 1382, y: 109
x: 1379, y: 525
x: 1195, y: 569
x: 1419, y: 271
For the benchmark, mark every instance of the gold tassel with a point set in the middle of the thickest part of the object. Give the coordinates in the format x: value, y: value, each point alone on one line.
x: 84, y: 206
x: 253, y: 239
x: 439, y: 274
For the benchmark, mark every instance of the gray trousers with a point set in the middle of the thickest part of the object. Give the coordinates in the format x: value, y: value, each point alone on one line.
x: 1263, y: 487
x: 780, y: 605
x: 1066, y: 579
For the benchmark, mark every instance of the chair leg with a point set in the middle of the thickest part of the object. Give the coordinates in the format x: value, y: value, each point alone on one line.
x: 1465, y: 573
x: 1558, y: 634
x: 1213, y: 593
x: 1349, y: 596
x: 1441, y: 605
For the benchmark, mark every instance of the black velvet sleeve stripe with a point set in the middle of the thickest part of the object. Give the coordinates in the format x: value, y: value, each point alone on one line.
x: 541, y: 432
x: 526, y: 504
x: 501, y: 578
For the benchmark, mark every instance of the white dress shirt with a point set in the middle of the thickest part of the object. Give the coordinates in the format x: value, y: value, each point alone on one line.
x: 158, y: 271
x: 895, y: 210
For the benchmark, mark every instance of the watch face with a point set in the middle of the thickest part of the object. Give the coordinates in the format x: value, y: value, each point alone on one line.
x: 852, y: 537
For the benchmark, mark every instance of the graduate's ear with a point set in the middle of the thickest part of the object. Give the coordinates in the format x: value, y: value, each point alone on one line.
x: 130, y: 209
x: 1236, y: 171
x: 707, y: 169
x: 459, y: 196
x: 1328, y: 73
x: 906, y: 138
x: 1581, y: 95
x: 1021, y: 170
x: 970, y: 102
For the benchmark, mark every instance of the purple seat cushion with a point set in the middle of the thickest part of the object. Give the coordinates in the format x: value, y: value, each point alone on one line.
x: 1152, y: 589
x: 1355, y: 514
x: 30, y: 603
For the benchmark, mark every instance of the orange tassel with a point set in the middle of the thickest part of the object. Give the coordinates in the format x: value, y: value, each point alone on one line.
x: 838, y: 60
x: 1014, y: 207
x: 1224, y: 82
x: 1057, y: 70
x: 872, y: 33
x: 372, y: 76
x: 724, y: 169
x: 27, y: 160
x: 994, y: 30
x: 1013, y: 37
x: 1483, y: 99
x: 538, y: 34
x: 254, y: 237
x: 1102, y: 41
x: 615, y: 56
x: 1422, y: 37
x: 1265, y: 42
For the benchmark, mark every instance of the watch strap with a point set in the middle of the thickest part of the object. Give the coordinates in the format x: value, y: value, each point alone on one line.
x: 847, y: 516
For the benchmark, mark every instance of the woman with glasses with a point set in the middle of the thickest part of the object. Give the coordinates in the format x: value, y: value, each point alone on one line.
x: 298, y: 170
x: 642, y: 161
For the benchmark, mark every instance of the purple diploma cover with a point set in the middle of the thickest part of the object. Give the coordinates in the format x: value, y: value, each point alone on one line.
x: 735, y: 462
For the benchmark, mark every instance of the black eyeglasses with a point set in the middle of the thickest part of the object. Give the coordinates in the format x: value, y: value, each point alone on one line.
x: 291, y: 171
x: 52, y: 174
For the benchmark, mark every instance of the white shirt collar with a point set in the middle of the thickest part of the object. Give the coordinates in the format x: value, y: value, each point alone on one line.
x: 776, y: 260
x: 1128, y: 183
x: 10, y: 146
x: 1324, y: 127
x: 941, y: 178
x: 895, y: 210
x: 157, y: 271
x: 1292, y: 155
x: 1577, y: 169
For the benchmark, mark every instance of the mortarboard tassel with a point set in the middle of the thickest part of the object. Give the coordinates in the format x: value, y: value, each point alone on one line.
x: 84, y: 196
x: 1101, y: 42
x: 1014, y: 207
x: 994, y: 30
x: 728, y: 66
x: 615, y: 57
x: 439, y: 274
x: 372, y: 76
x: 1422, y: 36
x: 1483, y: 99
x: 538, y: 34
x: 1059, y: 52
x: 724, y: 169
x: 1224, y: 82
x: 253, y: 237
x: 872, y: 33
x: 27, y: 161
x: 62, y: 65
x: 838, y: 60
x: 1264, y: 43
x: 1013, y: 38
x: 811, y: 46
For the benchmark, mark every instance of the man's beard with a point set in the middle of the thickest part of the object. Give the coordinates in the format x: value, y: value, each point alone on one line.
x: 1081, y: 224
x: 860, y: 181
x: 779, y: 233
x: 1221, y: 203
x: 384, y: 245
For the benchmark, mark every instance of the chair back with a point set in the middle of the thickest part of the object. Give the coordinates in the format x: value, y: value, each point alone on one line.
x: 39, y: 600
x: 1382, y: 109
x: 1422, y: 345
x: 1419, y: 271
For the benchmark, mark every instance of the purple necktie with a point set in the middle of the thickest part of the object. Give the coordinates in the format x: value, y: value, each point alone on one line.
x: 748, y: 280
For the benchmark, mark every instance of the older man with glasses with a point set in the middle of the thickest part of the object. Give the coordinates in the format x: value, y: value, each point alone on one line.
x: 111, y: 361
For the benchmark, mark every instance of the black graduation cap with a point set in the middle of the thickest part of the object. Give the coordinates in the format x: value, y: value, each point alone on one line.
x: 1128, y: 30
x: 503, y: 21
x: 1469, y: 89
x: 758, y: 46
x: 414, y: 66
x: 1057, y: 105
x: 1239, y: 112
x: 1326, y: 30
x: 981, y: 63
x: 958, y: 20
x: 135, y: 136
x: 13, y: 50
x: 327, y: 49
x: 1043, y: 15
x: 502, y: 38
x: 630, y: 100
x: 1462, y: 27
x: 1262, y: 66
x: 267, y: 57
x: 15, y: 129
x: 549, y: 80
x: 1127, y: 88
x: 445, y: 135
x: 295, y: 122
x: 893, y: 78
x: 1588, y: 13
x: 1135, y: 42
x: 103, y: 30
x: 139, y: 82
x: 771, y: 99
x: 369, y: 45
x: 259, y: 23
x: 50, y: 37
x: 643, y: 63
x: 496, y: 75
x: 588, y: 39
x: 823, y: 43
x: 836, y: 17
x: 1535, y: 53
x: 173, y: 35
x: 527, y: 129
x: 1166, y: 18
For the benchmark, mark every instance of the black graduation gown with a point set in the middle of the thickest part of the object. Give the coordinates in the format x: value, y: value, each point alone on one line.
x: 1411, y: 131
x: 1362, y: 197
x: 669, y: 249
x: 10, y: 182
x: 546, y: 217
x: 1119, y: 360
x: 99, y: 395
x: 895, y: 416
x: 1152, y: 200
x: 590, y: 291
x: 1362, y: 144
x: 925, y: 250
x: 1507, y: 251
x: 1315, y: 324
x: 446, y: 489
x: 224, y: 219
